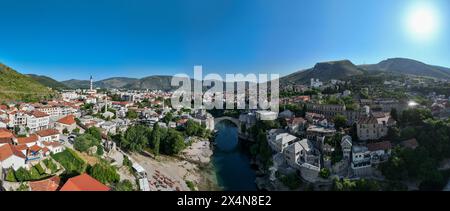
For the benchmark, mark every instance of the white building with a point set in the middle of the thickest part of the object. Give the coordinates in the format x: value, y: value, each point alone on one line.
x: 280, y: 141
x: 266, y: 115
x: 346, y: 146
x: 361, y: 161
x: 11, y: 158
x: 316, y: 83
x: 37, y: 120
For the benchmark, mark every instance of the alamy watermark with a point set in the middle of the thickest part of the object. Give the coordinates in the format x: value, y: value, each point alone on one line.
x: 237, y: 91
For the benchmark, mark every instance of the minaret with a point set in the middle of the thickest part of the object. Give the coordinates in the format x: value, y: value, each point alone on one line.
x: 106, y: 104
x: 91, y: 83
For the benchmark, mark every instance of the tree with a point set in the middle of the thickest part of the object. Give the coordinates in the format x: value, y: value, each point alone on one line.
x: 324, y: 173
x: 104, y: 173
x: 135, y: 138
x: 84, y: 142
x: 174, y: 142
x: 156, y: 139
x: 76, y: 130
x: 394, y: 114
x: 95, y: 132
x: 10, y: 177
x: 168, y: 117
x: 65, y: 131
x: 22, y: 175
x: 100, y: 150
x: 124, y: 185
x: 131, y: 114
x: 340, y: 121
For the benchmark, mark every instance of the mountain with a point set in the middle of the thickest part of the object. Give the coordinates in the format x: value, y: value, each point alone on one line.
x: 157, y: 82
x: 76, y: 84
x: 323, y: 71
x: 116, y: 82
x: 17, y: 87
x: 47, y: 81
x: 151, y: 82
x: 409, y: 66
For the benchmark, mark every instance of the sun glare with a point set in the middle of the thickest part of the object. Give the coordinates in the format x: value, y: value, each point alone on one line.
x: 422, y: 22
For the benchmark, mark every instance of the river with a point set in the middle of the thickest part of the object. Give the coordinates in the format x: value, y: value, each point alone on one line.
x: 231, y: 161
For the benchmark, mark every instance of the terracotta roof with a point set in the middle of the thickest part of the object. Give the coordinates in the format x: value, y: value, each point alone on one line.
x: 67, y: 120
x: 50, y: 184
x: 25, y: 140
x: 6, y: 140
x: 35, y: 148
x: 8, y: 150
x: 411, y: 143
x: 38, y: 114
x: 21, y: 147
x: 84, y: 182
x: 47, y: 132
x: 383, y: 145
x: 52, y: 144
x: 5, y: 133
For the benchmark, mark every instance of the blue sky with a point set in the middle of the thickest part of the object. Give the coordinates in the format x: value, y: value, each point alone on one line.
x: 137, y: 38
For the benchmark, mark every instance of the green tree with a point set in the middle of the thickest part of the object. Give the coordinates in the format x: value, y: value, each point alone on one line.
x: 104, y: 173
x: 135, y: 138
x: 168, y: 118
x: 324, y: 173
x: 124, y: 185
x: 156, y: 139
x: 65, y: 131
x: 22, y: 175
x: 95, y: 132
x: 100, y: 150
x: 174, y: 142
x: 84, y: 142
x: 394, y: 114
x: 10, y: 177
x: 76, y: 130
x: 131, y: 114
x: 340, y: 121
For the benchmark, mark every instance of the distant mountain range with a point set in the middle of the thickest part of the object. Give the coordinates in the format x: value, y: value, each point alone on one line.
x: 115, y: 82
x: 409, y: 66
x: 151, y: 82
x: 343, y: 69
x: 49, y: 82
x: 14, y: 85
x: 323, y: 71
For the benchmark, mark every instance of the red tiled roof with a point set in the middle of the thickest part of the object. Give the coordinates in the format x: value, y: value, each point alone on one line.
x: 47, y: 132
x: 53, y: 144
x: 383, y: 145
x: 38, y: 114
x: 35, y: 148
x: 5, y: 133
x: 6, y: 140
x: 8, y: 150
x: 21, y: 147
x: 67, y: 120
x: 25, y: 140
x: 50, y: 184
x: 84, y: 182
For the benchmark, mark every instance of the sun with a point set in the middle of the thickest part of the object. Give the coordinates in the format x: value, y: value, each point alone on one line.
x: 422, y: 22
